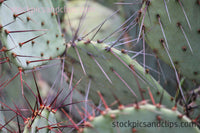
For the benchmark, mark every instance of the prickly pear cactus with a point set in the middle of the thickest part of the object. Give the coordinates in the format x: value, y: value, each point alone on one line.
x: 95, y: 14
x: 172, y: 30
x: 43, y: 122
x: 145, y: 118
x: 29, y: 32
x: 112, y: 72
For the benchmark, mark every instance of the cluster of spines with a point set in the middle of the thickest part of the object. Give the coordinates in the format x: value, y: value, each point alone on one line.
x: 38, y: 113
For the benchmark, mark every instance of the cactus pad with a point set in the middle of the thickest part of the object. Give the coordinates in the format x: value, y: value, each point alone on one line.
x: 172, y: 30
x: 111, y: 72
x: 96, y: 14
x: 145, y: 118
x: 29, y: 32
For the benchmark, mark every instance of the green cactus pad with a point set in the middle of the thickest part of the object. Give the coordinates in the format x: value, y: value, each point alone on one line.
x: 146, y: 119
x: 178, y: 31
x: 96, y: 14
x: 29, y: 32
x: 114, y: 65
x: 42, y: 123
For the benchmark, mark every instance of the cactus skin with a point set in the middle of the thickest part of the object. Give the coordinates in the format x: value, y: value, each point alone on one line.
x: 44, y: 42
x: 60, y: 5
x: 91, y: 51
x: 186, y: 59
x: 107, y: 123
x: 44, y: 118
x: 95, y: 15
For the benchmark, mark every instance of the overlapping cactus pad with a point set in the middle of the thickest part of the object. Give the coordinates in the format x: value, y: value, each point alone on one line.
x: 43, y: 122
x: 29, y: 32
x: 112, y: 72
x: 172, y: 30
x: 96, y: 14
x: 145, y: 118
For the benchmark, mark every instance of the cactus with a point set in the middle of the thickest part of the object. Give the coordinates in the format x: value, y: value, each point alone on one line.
x: 111, y: 72
x: 43, y: 122
x: 29, y: 39
x: 141, y: 118
x: 95, y: 15
x: 172, y: 31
